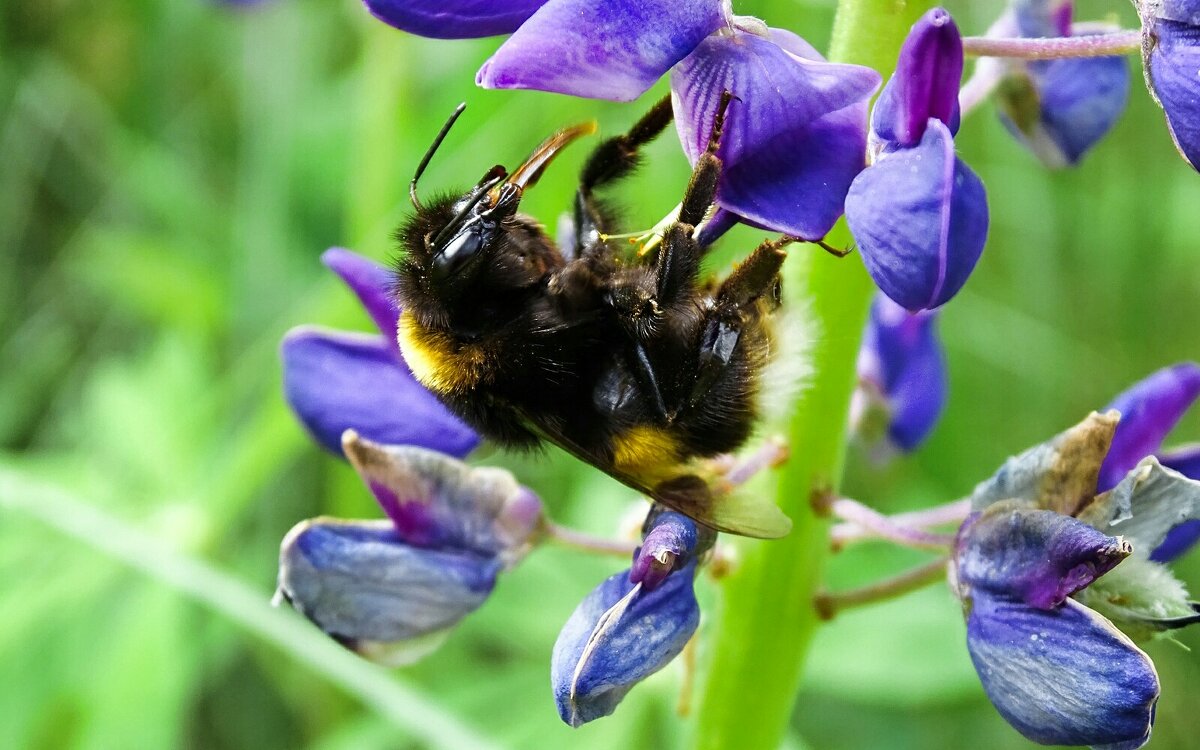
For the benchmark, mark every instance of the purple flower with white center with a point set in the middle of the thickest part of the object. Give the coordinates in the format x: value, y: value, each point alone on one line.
x: 391, y: 590
x: 1171, y: 59
x: 918, y: 214
x: 902, y: 378
x: 631, y: 625
x: 1056, y: 582
x: 335, y: 381
x: 1060, y: 108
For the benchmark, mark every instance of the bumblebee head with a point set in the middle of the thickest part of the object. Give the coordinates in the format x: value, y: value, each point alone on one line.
x: 474, y: 249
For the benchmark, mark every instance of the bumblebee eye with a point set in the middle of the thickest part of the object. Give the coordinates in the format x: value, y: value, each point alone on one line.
x: 454, y: 254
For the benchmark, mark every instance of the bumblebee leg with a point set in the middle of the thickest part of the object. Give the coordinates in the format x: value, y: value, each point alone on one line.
x: 753, y: 279
x: 610, y: 161
x: 679, y: 257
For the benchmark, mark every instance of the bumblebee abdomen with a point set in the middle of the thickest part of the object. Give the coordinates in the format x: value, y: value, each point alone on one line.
x: 649, y: 453
x: 438, y: 361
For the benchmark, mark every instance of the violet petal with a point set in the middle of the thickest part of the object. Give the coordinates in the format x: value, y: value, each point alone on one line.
x: 925, y: 84
x: 667, y: 546
x: 1037, y: 557
x: 454, y: 19
x: 1174, y: 58
x: 339, y: 381
x: 612, y: 50
x: 1064, y: 676
x: 618, y: 636
x: 1184, y: 536
x: 371, y: 283
x: 1149, y: 410
x: 436, y: 501
x: 794, y: 141
x: 920, y: 218
x: 362, y: 585
x: 901, y: 353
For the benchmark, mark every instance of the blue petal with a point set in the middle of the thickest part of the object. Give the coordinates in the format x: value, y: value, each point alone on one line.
x: 925, y: 84
x: 1037, y: 557
x: 617, y: 637
x: 920, y: 218
x: 436, y: 501
x: 902, y: 355
x: 1149, y: 502
x: 371, y: 283
x: 601, y: 50
x: 340, y: 381
x: 1183, y: 11
x: 360, y: 584
x: 668, y: 545
x: 454, y: 19
x: 1174, y: 58
x: 1080, y: 100
x: 1065, y: 676
x: 794, y: 141
x: 1149, y: 410
x: 1183, y: 537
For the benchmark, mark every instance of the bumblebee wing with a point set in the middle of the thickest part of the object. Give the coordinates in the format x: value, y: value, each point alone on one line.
x: 690, y: 493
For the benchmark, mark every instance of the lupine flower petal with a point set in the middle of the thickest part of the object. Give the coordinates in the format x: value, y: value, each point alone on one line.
x: 1150, y: 501
x: 1036, y: 557
x: 925, y: 84
x: 902, y: 357
x: 1171, y: 58
x: 363, y: 586
x: 668, y: 545
x: 436, y: 501
x: 371, y: 283
x: 617, y: 636
x: 1149, y: 410
x: 454, y: 19
x: 1183, y: 537
x: 1183, y: 11
x: 1064, y: 676
x: 1142, y: 598
x: 793, y: 142
x: 1059, y: 474
x: 340, y: 381
x: 920, y: 218
x: 601, y: 50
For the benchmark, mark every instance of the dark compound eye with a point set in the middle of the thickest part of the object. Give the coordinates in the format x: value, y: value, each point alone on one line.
x: 455, y: 253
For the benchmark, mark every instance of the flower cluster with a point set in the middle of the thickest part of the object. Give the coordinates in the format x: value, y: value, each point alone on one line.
x: 393, y: 589
x: 1056, y: 569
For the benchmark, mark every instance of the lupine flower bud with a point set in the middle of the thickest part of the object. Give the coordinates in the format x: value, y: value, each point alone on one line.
x: 335, y: 381
x: 630, y: 626
x: 902, y: 377
x: 1171, y: 57
x: 918, y: 214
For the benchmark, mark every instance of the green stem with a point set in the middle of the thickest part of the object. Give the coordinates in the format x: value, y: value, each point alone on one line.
x: 766, y: 619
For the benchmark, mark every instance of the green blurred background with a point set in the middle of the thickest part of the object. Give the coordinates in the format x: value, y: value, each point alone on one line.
x: 170, y: 172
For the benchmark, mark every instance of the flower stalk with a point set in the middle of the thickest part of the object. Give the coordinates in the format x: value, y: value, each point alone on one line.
x: 761, y: 633
x: 1054, y: 48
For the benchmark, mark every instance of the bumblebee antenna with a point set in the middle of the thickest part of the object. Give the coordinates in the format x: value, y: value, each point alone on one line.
x: 441, y: 136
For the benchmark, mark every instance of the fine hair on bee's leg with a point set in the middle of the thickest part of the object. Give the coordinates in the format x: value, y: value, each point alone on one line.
x: 613, y: 159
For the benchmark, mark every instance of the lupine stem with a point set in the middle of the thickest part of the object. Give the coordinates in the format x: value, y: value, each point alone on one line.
x: 1050, y: 48
x: 766, y: 620
x: 829, y: 604
x: 852, y: 530
x: 879, y: 525
x: 588, y: 542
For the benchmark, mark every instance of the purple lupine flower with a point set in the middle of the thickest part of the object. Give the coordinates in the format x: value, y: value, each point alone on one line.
x: 1149, y: 410
x: 1056, y: 583
x: 796, y: 139
x: 391, y: 590
x: 918, y: 214
x: 1058, y: 109
x: 631, y: 625
x: 902, y: 377
x: 335, y: 381
x: 1170, y: 58
x: 454, y: 19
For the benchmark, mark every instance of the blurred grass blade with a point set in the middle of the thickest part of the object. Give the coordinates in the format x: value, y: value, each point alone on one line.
x: 401, y: 704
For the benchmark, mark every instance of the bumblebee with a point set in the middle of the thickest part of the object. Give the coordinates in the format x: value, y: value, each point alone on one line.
x: 637, y: 366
